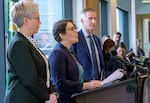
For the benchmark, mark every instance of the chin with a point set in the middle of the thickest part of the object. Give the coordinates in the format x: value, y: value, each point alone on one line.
x: 77, y: 40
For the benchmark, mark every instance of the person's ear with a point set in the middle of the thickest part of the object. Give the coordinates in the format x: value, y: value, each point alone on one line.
x: 25, y: 20
x: 61, y: 35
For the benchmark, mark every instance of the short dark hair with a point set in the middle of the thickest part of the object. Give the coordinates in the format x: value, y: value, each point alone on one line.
x: 117, y: 33
x: 60, y: 27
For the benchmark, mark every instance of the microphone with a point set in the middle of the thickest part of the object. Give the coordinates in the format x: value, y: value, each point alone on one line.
x: 147, y: 62
x: 130, y: 56
x: 123, y: 61
x: 129, y: 53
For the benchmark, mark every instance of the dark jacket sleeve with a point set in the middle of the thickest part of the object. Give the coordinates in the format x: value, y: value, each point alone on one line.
x: 52, y: 88
x: 29, y: 69
x: 64, y: 73
x: 112, y: 65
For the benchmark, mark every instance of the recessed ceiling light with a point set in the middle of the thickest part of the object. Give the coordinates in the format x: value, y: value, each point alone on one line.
x: 145, y: 1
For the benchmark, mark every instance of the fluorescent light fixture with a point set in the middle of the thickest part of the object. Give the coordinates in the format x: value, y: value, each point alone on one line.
x: 145, y: 1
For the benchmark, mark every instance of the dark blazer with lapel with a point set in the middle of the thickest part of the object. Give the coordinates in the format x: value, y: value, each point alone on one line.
x: 64, y: 73
x: 81, y: 50
x: 27, y: 73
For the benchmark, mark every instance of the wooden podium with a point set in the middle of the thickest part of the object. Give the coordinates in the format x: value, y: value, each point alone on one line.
x: 120, y: 92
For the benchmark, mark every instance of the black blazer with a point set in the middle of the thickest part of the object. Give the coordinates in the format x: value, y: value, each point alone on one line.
x: 27, y: 73
x: 64, y: 73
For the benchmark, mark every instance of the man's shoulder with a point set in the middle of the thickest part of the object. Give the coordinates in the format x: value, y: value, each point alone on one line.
x: 80, y: 32
x: 80, y: 35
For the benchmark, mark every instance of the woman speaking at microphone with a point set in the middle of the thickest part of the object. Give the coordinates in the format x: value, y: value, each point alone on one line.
x: 67, y: 73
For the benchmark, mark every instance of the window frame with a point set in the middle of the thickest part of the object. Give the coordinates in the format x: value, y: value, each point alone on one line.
x: 104, y: 15
x: 123, y: 27
x: 2, y: 51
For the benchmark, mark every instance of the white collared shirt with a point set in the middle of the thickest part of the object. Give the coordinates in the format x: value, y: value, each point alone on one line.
x: 96, y: 50
x: 33, y: 42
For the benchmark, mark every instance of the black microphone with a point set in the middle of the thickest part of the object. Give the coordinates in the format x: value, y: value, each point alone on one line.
x: 123, y: 61
x: 129, y: 55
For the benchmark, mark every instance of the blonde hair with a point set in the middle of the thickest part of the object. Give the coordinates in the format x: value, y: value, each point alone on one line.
x: 21, y: 9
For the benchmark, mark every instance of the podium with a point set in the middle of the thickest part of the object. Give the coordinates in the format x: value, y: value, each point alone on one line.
x: 120, y: 92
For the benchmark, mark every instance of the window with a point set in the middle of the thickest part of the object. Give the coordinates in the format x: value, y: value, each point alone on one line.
x: 122, y: 25
x: 104, y: 17
x: 50, y: 12
x: 2, y: 52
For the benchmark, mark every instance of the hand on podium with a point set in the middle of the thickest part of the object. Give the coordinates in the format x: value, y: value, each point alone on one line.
x: 91, y: 84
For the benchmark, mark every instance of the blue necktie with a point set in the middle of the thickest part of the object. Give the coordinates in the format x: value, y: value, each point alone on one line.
x: 93, y: 58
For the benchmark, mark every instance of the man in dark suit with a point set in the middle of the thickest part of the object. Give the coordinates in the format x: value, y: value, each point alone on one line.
x: 93, y: 67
